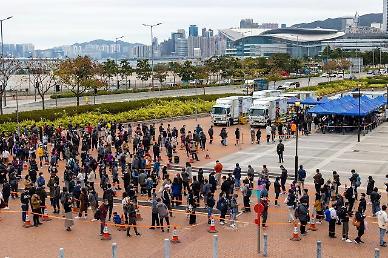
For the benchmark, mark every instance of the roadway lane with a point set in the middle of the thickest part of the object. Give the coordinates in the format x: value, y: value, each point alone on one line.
x: 30, y: 104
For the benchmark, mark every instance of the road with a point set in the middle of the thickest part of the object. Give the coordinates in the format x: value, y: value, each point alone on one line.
x: 29, y: 104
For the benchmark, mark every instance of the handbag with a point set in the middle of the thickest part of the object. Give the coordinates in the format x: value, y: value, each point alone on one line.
x: 356, y: 223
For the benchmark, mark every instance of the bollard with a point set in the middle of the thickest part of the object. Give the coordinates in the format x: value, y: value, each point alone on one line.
x: 319, y: 249
x: 61, y: 253
x: 265, y: 251
x: 215, y: 246
x: 114, y: 250
x: 377, y: 253
x: 166, y: 248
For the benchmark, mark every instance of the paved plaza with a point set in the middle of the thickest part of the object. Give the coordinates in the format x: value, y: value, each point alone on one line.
x: 327, y: 152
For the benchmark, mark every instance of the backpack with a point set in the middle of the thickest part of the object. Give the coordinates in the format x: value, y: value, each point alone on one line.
x: 221, y: 204
x: 358, y: 181
x: 296, y: 213
x: 327, y: 215
x: 97, y: 214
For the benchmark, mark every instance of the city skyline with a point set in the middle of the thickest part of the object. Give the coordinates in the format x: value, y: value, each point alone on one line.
x: 71, y: 21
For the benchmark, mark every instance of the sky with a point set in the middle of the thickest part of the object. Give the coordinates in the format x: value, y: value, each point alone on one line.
x: 49, y: 23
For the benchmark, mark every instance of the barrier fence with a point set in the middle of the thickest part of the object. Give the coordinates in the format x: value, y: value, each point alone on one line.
x: 167, y: 249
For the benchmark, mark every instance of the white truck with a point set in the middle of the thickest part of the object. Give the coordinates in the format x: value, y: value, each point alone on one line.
x: 227, y: 111
x: 267, y: 108
x: 266, y: 94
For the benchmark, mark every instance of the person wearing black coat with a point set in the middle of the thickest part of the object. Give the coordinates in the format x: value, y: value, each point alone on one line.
x: 361, y: 226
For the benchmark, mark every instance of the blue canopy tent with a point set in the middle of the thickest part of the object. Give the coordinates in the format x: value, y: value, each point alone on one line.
x: 323, y: 100
x: 310, y: 101
x: 293, y: 100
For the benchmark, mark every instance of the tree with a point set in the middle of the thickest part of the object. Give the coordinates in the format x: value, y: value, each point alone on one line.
x: 143, y: 70
x: 274, y: 76
x: 329, y: 67
x: 186, y: 72
x: 174, y: 68
x: 78, y: 74
x: 161, y: 71
x: 279, y: 61
x: 294, y: 65
x: 125, y: 70
x: 8, y: 67
x: 109, y: 70
x: 43, y: 76
x: 343, y: 64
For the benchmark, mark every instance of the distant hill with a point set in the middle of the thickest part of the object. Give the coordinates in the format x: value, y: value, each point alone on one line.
x: 107, y: 42
x: 336, y: 23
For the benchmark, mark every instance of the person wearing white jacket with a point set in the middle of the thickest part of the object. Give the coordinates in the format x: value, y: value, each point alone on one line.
x: 382, y: 220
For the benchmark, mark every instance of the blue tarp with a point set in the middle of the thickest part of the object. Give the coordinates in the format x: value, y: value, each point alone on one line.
x: 349, y: 106
x: 323, y: 100
x: 310, y: 101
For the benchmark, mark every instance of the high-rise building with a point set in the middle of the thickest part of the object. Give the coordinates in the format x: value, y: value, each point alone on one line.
x: 385, y: 16
x: 182, y: 32
x: 248, y: 24
x: 204, y: 31
x: 192, y: 43
x: 193, y: 31
x: 181, y: 47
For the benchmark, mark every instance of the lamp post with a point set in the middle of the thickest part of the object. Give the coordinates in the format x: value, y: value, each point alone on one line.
x: 297, y: 105
x: 2, y: 55
x: 151, y: 26
x: 359, y: 113
x: 116, y: 54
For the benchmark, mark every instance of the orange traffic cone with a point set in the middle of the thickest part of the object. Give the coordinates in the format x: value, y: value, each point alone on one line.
x: 27, y: 222
x: 295, y: 234
x: 74, y: 209
x: 212, y: 228
x: 45, y: 216
x: 312, y: 226
x: 175, y: 238
x: 105, y: 234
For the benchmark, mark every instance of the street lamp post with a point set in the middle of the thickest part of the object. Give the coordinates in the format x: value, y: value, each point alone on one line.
x: 297, y: 105
x: 151, y: 26
x: 359, y: 113
x: 2, y: 55
x: 116, y: 54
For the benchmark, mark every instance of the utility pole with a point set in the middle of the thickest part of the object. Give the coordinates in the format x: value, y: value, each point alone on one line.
x: 116, y: 54
x: 2, y: 56
x: 151, y: 26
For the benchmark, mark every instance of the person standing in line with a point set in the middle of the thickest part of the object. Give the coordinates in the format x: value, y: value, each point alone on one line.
x: 237, y: 176
x: 67, y: 207
x: 218, y: 169
x: 291, y: 203
x: 332, y: 218
x: 344, y: 216
x: 280, y: 151
x: 283, y: 178
x: 301, y: 178
x: 382, y: 220
x: 101, y: 214
x: 131, y: 210
x: 155, y: 214
x: 233, y: 211
x: 302, y: 214
x: 277, y: 188
x: 35, y: 206
x: 246, y: 192
x: 359, y: 223
x: 163, y: 214
x: 375, y: 199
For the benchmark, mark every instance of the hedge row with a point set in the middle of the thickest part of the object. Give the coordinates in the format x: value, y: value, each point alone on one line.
x: 70, y: 94
x: 106, y: 108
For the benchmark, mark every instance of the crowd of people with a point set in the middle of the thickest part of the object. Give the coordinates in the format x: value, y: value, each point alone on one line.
x: 110, y: 162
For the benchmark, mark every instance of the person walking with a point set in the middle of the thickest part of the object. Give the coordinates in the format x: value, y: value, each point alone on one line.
x: 211, y: 134
x: 280, y: 151
x: 253, y: 135
x: 237, y: 135
x: 258, y: 136
x: 268, y: 132
x: 382, y: 220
